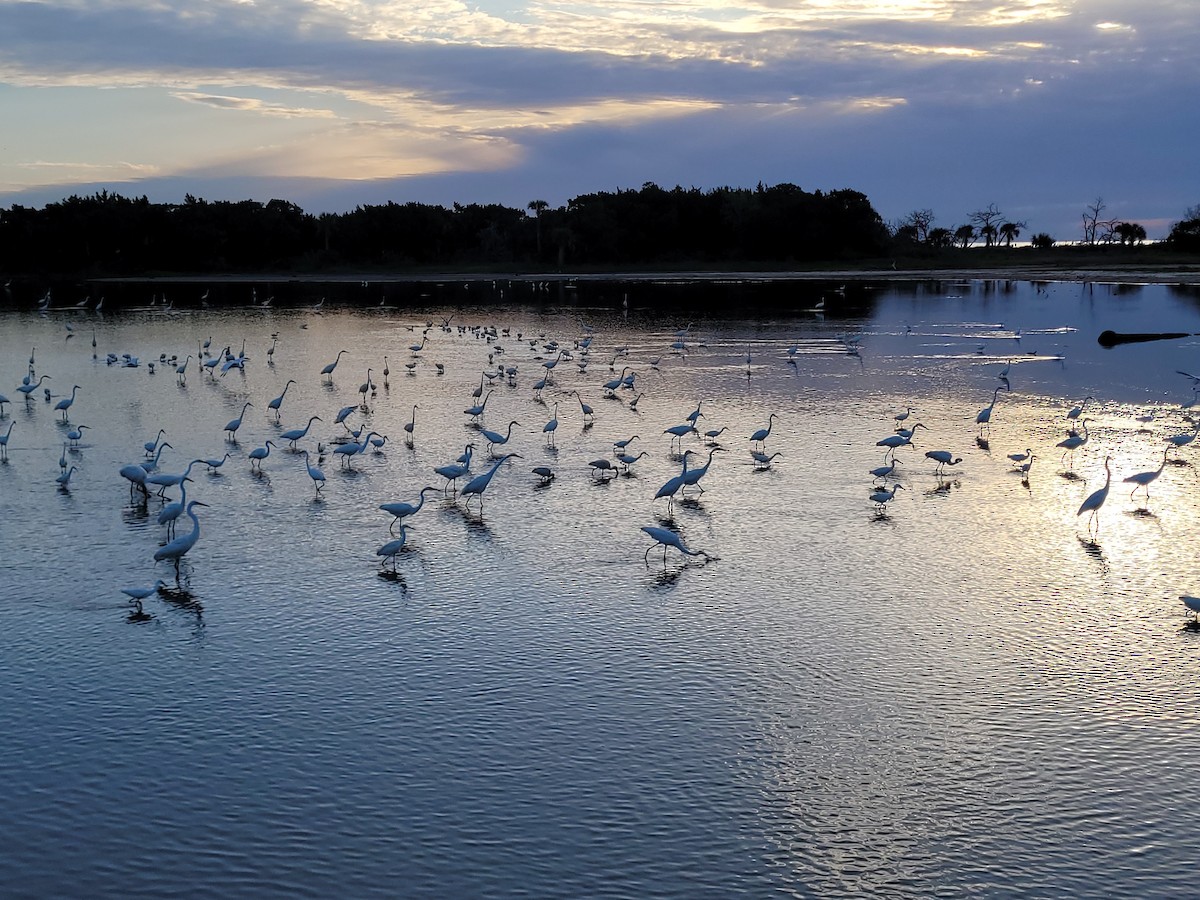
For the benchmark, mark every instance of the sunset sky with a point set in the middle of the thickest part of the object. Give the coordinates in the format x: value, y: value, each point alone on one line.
x: 1038, y: 106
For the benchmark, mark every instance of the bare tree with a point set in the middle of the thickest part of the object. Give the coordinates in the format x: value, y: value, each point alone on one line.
x: 986, y: 221
x: 919, y: 220
x: 1095, y: 229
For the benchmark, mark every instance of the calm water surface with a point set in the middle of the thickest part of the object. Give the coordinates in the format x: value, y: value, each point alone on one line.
x: 971, y: 693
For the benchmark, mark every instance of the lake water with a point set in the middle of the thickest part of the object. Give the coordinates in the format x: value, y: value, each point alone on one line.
x: 975, y: 691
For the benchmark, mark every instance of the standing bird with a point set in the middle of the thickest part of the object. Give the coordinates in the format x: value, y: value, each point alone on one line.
x: 258, y: 454
x: 477, y: 485
x: 984, y: 418
x: 179, y: 547
x: 1096, y: 500
x: 64, y: 480
x: 391, y: 549
x: 232, y: 426
x: 763, y: 433
x: 143, y: 593
x: 1074, y: 441
x: 1179, y: 441
x: 151, y: 446
x: 410, y: 426
x: 943, y: 458
x: 881, y: 498
x: 274, y: 405
x: 65, y: 403
x: 693, y: 476
x: 4, y: 441
x: 493, y: 438
x: 314, y: 472
x: 1076, y: 411
x: 296, y: 434
x: 550, y: 427
x: 666, y: 538
x: 401, y: 510
x: 328, y: 370
x: 1143, y: 479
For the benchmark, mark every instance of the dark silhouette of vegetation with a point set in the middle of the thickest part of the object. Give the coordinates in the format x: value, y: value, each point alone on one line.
x: 1185, y: 234
x: 1042, y: 241
x: 106, y: 234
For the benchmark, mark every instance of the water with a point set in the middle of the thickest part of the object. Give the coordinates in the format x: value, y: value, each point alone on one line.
x: 971, y: 693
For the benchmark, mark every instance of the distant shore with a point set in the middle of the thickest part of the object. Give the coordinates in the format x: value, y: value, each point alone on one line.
x: 1116, y: 274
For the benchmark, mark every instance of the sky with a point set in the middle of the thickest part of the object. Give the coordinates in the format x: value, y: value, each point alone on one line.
x: 1041, y: 107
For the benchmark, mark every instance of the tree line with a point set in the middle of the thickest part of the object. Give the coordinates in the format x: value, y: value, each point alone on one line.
x: 109, y: 234
x: 114, y: 235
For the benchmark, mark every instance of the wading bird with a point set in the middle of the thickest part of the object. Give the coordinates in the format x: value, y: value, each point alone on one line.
x: 179, y: 547
x: 943, y: 458
x: 477, y: 485
x: 1144, y: 479
x: 402, y: 510
x: 1096, y: 499
x: 666, y: 538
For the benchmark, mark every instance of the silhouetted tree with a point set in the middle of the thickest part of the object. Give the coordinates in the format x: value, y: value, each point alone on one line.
x: 1042, y: 241
x: 1010, y: 231
x: 1185, y: 234
x: 1129, y: 233
x: 986, y: 221
x: 965, y: 236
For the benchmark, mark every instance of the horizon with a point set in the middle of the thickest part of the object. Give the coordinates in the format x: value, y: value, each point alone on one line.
x: 951, y: 105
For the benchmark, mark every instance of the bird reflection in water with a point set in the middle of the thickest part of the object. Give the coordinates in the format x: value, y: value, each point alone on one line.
x: 1093, y: 549
x: 138, y: 614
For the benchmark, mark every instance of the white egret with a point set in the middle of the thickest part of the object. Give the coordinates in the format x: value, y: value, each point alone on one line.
x: 881, y: 497
x: 391, y: 549
x: 232, y: 426
x: 328, y: 370
x: 140, y: 593
x: 170, y: 513
x: 1144, y: 479
x: 885, y: 470
x: 364, y: 388
x: 493, y: 438
x: 296, y: 434
x: 603, y: 468
x: 622, y: 444
x: 151, y: 446
x: 588, y: 412
x: 214, y: 464
x: 342, y: 415
x: 181, y: 369
x: 1074, y: 440
x: 673, y: 485
x: 151, y: 464
x: 476, y: 411
x: 626, y: 460
x: 346, y: 451
x: 677, y: 433
x: 32, y: 386
x: 901, y: 416
x: 984, y: 418
x: 550, y: 427
x: 165, y: 480
x: 610, y: 387
x: 402, y: 510
x: 314, y: 472
x: 274, y: 405
x: 477, y: 485
x: 410, y: 426
x: 1096, y: 499
x: 692, y: 477
x: 64, y: 480
x: 943, y: 458
x: 1192, y: 603
x: 135, y: 475
x: 666, y: 538
x: 1019, y: 458
x: 75, y: 435
x: 258, y: 454
x: 763, y: 433
x: 1076, y: 411
x: 710, y: 436
x: 1178, y: 441
x: 62, y: 460
x: 761, y: 460
x: 65, y: 403
x: 179, y: 547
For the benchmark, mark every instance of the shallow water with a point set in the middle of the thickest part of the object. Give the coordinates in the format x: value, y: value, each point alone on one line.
x: 972, y: 692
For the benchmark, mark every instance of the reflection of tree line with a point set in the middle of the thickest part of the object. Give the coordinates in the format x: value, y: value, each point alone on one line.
x: 110, y: 234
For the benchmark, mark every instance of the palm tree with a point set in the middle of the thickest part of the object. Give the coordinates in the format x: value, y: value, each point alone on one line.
x: 964, y: 235
x: 1009, y: 232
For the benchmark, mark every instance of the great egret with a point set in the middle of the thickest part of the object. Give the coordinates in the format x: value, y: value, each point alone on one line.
x: 550, y: 427
x: 603, y: 468
x: 140, y: 593
x: 1096, y: 499
x: 274, y: 405
x: 1192, y: 603
x: 65, y: 403
x: 32, y: 386
x: 1019, y: 458
x: 763, y: 433
x: 401, y: 510
x: 477, y: 485
x: 151, y: 446
x: 150, y: 465
x: 170, y: 513
x: 296, y: 434
x: 214, y: 464
x: 409, y: 427
x: 588, y: 412
x: 476, y: 411
x: 1179, y: 441
x: 328, y: 370
x: 1143, y: 479
x: 626, y: 460
x: 75, y: 435
x: 1074, y: 440
x: 135, y: 475
x: 710, y: 436
x: 258, y: 454
x: 666, y: 538
x: 674, y: 485
x: 179, y: 547
x: 695, y: 415
x: 677, y: 433
x: 314, y: 472
x: 882, y: 497
x: 493, y: 438
x: 984, y: 418
x: 455, y: 470
x: 349, y: 450
x: 943, y: 458
x: 692, y: 477
x: 64, y: 480
x: 391, y: 549
x: 761, y: 460
x: 1076, y: 411
x: 232, y: 426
